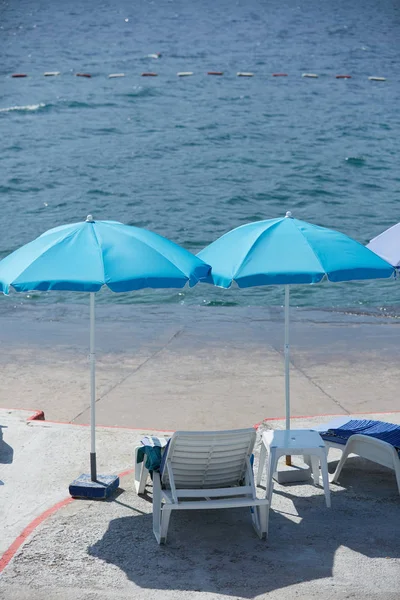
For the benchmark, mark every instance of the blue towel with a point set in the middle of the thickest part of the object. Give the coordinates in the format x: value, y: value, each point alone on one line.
x: 387, y: 432
x: 153, y: 448
x: 153, y: 457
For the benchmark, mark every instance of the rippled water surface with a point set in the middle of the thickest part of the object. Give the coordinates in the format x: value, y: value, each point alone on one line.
x: 193, y: 157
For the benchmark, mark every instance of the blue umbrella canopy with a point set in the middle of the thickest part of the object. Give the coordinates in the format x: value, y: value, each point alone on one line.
x: 289, y: 251
x: 85, y: 256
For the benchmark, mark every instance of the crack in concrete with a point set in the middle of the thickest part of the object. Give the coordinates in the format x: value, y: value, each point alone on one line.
x: 131, y: 373
x: 310, y: 380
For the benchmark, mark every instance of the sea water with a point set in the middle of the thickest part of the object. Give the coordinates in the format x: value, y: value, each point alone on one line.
x: 193, y: 157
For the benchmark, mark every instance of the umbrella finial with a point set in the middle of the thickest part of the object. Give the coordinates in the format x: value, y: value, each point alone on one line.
x: 89, y: 219
x: 288, y: 214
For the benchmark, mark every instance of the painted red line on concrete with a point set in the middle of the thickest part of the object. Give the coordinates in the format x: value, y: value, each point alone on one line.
x: 388, y: 412
x: 8, y: 554
x: 127, y: 472
x: 11, y: 551
x: 37, y: 415
x: 111, y: 426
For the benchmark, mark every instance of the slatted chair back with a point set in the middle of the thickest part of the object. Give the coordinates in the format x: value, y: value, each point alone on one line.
x: 206, y: 460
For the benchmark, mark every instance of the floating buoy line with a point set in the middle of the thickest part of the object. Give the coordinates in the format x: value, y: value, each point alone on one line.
x: 190, y: 73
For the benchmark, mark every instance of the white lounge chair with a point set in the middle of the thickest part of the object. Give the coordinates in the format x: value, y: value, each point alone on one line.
x: 205, y: 470
x: 366, y: 445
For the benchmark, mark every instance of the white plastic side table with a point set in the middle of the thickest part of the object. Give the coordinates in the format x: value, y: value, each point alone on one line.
x: 288, y: 442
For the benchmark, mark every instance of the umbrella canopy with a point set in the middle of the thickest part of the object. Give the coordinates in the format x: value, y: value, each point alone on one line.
x: 387, y: 245
x: 85, y: 256
x: 288, y: 251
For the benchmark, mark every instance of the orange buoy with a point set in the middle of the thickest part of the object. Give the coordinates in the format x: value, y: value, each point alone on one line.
x: 279, y: 75
x: 343, y: 76
x: 19, y: 75
x: 149, y: 74
x: 215, y: 73
x: 83, y: 74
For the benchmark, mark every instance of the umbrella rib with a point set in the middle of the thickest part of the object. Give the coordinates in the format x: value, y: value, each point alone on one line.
x: 159, y: 253
x: 49, y: 247
x: 316, y: 256
x: 243, y: 260
x: 101, y: 253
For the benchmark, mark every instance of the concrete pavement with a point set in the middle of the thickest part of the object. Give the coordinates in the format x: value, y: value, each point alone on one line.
x: 90, y: 549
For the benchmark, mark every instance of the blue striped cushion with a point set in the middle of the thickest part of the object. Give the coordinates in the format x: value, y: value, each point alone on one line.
x: 387, y: 432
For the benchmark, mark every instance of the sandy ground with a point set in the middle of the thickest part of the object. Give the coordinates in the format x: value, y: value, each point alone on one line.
x: 107, y: 550
x: 191, y: 367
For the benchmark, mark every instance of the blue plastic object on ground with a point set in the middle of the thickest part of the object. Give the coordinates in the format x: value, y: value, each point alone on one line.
x: 102, y: 488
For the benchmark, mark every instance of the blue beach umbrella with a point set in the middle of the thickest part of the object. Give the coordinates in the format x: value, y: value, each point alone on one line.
x: 287, y: 251
x: 86, y: 256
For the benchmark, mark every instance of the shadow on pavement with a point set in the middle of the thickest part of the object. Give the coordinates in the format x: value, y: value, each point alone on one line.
x: 218, y: 552
x: 6, y: 451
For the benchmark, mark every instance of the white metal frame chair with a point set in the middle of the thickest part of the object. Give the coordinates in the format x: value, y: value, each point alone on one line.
x: 206, y: 470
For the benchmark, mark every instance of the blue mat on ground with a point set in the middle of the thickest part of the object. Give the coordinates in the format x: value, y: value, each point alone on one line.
x: 387, y: 432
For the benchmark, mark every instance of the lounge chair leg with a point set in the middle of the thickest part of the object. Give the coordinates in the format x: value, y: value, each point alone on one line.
x: 165, y: 516
x: 157, y: 506
x: 345, y: 454
x: 397, y: 471
x: 260, y: 516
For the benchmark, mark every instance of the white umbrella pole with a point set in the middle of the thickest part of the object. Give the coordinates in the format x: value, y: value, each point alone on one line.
x: 93, y: 470
x: 287, y: 356
x: 287, y: 364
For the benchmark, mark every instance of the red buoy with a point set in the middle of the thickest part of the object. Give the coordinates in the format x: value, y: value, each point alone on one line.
x: 215, y: 73
x: 19, y: 75
x: 279, y: 75
x: 149, y: 74
x: 83, y: 74
x: 343, y: 76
